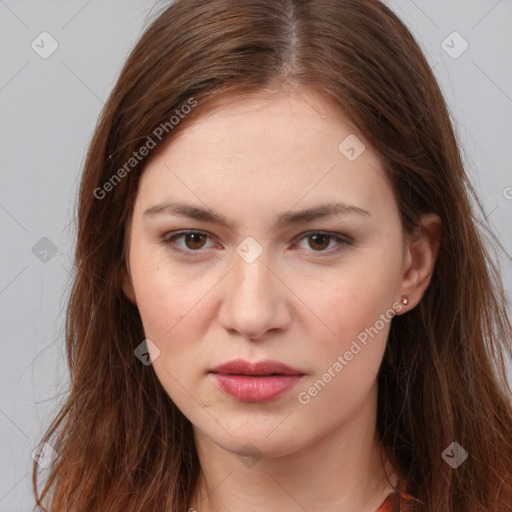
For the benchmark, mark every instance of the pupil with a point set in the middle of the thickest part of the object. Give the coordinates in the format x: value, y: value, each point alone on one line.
x: 315, y: 238
x: 196, y: 237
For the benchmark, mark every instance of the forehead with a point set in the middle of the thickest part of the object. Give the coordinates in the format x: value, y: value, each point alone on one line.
x: 293, y: 116
x: 263, y: 150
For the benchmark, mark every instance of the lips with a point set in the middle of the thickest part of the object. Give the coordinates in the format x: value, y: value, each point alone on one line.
x: 261, y: 368
x: 259, y: 382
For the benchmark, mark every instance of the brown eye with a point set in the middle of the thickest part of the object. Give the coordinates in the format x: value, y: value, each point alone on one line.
x: 320, y: 241
x: 193, y: 240
x: 187, y: 243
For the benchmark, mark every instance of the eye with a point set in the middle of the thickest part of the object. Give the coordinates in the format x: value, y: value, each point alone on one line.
x: 321, y: 239
x: 193, y: 240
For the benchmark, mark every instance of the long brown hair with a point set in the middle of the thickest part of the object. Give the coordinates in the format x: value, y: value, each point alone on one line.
x: 121, y: 442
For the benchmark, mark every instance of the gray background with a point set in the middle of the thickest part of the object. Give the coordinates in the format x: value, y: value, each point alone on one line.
x: 48, y: 110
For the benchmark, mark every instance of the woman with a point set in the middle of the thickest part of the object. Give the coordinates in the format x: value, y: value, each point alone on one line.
x: 282, y: 300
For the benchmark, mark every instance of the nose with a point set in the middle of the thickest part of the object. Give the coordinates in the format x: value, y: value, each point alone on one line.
x: 255, y: 300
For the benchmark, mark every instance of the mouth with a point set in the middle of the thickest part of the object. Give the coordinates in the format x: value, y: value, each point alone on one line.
x: 259, y: 382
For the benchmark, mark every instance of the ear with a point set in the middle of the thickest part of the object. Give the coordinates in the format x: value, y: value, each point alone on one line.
x: 420, y: 259
x: 126, y: 284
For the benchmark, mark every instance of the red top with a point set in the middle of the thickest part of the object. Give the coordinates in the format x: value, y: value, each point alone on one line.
x: 397, y: 501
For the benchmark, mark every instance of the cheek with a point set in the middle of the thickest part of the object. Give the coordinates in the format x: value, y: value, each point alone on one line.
x: 358, y: 311
x: 347, y: 362
x: 163, y: 298
x: 170, y: 313
x: 170, y: 308
x: 177, y: 307
x: 354, y: 299
x: 358, y: 324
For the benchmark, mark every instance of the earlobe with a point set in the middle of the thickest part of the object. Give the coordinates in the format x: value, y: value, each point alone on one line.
x: 126, y: 285
x: 421, y: 257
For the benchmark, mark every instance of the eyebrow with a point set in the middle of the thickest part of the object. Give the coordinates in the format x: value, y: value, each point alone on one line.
x: 286, y: 218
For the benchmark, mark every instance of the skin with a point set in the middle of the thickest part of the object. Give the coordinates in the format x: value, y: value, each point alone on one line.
x: 250, y: 160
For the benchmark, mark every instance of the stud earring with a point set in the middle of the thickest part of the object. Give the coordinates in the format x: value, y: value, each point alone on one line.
x: 405, y: 300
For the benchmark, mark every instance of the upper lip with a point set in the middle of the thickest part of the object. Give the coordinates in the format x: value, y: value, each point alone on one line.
x: 265, y: 367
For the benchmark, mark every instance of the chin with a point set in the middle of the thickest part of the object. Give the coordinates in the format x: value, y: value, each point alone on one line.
x: 256, y: 442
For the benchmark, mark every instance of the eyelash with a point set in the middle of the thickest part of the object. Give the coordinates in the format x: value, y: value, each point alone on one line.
x: 169, y: 238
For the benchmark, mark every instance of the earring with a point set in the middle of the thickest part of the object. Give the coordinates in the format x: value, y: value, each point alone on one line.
x: 405, y: 300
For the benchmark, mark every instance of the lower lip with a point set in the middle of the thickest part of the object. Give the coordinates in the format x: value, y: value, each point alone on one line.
x: 255, y: 389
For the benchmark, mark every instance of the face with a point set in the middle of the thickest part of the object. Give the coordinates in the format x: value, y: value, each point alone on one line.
x: 315, y: 293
